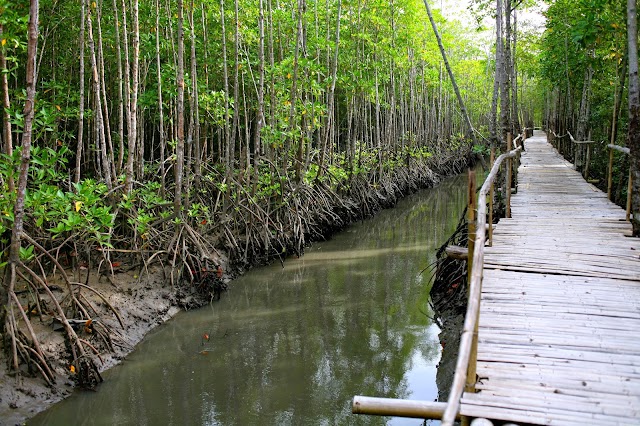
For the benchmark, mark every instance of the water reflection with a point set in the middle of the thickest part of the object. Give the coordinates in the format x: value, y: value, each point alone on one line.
x: 292, y: 345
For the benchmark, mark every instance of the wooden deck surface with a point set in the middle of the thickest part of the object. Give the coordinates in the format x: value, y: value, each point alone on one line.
x: 559, y: 330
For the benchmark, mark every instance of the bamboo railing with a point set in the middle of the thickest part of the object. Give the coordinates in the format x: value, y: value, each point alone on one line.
x: 465, y: 373
x: 588, y: 142
x: 467, y: 353
x: 612, y: 148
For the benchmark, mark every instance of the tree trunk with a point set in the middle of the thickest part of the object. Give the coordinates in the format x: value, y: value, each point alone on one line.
x: 160, y: 104
x: 634, y: 112
x: 470, y: 131
x: 29, y: 106
x: 583, y: 118
x: 330, y: 96
x: 177, y: 202
x: 133, y: 105
x: 260, y: 94
x: 493, y: 123
x: 195, y: 106
x: 617, y: 102
x: 101, y: 144
x: 225, y: 72
x: 80, y: 140
x: 105, y: 104
x: 120, y: 162
x: 514, y: 78
x: 505, y: 86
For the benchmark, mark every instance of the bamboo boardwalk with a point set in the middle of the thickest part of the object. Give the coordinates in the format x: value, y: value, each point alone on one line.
x: 559, y: 330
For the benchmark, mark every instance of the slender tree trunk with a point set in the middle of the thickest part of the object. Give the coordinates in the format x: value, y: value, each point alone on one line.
x: 293, y: 93
x: 331, y: 95
x: 225, y: 71
x: 103, y: 93
x: 127, y: 78
x: 160, y: 105
x: 18, y: 212
x: 195, y: 104
x: 505, y: 83
x: 583, y: 117
x: 80, y: 140
x: 179, y: 169
x: 493, y: 123
x: 98, y: 120
x: 514, y: 78
x: 617, y: 102
x: 116, y: 14
x: 133, y: 105
x: 257, y: 138
x: 236, y: 85
x: 634, y: 112
x: 470, y: 131
x: 568, y: 112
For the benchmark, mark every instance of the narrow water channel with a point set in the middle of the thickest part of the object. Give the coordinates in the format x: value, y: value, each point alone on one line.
x: 293, y: 345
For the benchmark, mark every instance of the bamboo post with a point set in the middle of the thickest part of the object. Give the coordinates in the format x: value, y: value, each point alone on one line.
x: 493, y: 159
x: 586, y: 167
x: 629, y: 193
x: 471, y: 215
x: 610, y: 174
x: 471, y: 223
x: 509, y: 176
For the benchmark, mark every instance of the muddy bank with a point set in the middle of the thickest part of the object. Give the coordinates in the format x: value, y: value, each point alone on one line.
x: 145, y: 299
x: 449, y: 303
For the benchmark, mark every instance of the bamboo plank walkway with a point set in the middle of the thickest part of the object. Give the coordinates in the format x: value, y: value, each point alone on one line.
x: 559, y: 330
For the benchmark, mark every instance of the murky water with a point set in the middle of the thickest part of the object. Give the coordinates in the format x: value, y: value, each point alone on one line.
x: 293, y: 345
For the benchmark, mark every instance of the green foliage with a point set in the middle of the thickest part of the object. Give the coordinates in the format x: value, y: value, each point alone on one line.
x: 80, y: 213
x: 143, y: 206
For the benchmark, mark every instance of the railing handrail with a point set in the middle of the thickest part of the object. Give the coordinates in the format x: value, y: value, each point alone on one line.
x: 475, y: 287
x: 430, y: 409
x: 578, y: 142
x: 619, y: 148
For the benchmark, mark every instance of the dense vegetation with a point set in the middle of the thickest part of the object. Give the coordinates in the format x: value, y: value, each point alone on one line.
x: 200, y: 134
x: 584, y: 65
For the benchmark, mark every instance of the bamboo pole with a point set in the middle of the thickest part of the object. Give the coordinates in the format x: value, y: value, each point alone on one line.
x: 493, y: 159
x: 509, y: 171
x: 397, y: 407
x: 610, y: 174
x: 588, y: 160
x: 471, y: 221
x: 629, y: 193
x: 471, y: 214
